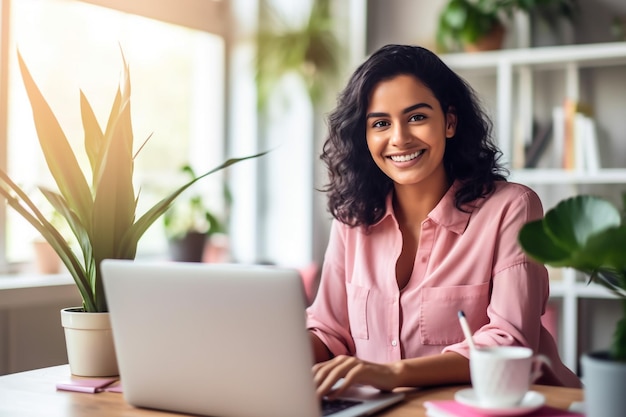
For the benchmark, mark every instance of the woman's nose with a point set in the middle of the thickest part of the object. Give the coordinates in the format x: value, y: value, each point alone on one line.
x: 400, y: 135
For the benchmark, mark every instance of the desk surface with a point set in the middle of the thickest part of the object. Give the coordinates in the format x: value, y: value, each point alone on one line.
x: 33, y: 393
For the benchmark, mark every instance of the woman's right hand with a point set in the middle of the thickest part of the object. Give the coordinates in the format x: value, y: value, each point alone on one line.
x: 353, y: 371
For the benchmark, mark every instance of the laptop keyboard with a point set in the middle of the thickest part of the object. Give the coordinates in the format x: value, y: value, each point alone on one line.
x: 333, y: 406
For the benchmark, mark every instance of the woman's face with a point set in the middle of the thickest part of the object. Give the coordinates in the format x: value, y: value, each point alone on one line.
x: 407, y: 131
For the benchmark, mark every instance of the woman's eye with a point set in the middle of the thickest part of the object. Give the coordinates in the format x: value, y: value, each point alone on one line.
x: 417, y: 118
x: 380, y: 123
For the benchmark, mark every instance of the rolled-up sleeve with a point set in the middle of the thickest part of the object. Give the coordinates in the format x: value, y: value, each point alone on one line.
x: 327, y: 317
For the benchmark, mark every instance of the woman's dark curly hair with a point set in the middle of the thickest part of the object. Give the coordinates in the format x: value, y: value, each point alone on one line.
x: 357, y: 188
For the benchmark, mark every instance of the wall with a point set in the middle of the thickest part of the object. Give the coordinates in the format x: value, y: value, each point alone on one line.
x: 31, y: 335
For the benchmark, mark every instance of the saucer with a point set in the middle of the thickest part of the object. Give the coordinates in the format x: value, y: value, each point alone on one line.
x: 531, y: 401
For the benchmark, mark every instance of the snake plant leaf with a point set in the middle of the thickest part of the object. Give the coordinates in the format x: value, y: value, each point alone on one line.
x: 31, y: 214
x: 78, y: 229
x: 114, y: 202
x: 57, y: 151
x: 94, y: 138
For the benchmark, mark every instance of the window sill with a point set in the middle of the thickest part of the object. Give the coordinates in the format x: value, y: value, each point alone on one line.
x: 27, y: 290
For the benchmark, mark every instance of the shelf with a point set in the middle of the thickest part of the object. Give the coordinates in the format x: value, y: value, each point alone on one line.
x: 560, y: 289
x: 559, y: 176
x: 598, y: 54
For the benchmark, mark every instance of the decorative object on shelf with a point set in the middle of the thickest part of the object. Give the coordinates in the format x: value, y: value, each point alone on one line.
x: 479, y: 25
x: 189, y: 224
x: 588, y: 234
x: 312, y: 52
x: 101, y: 210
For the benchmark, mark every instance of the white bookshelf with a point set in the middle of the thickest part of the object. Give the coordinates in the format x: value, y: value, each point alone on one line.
x: 559, y: 176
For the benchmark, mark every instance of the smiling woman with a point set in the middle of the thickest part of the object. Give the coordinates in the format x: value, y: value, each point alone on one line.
x: 72, y: 45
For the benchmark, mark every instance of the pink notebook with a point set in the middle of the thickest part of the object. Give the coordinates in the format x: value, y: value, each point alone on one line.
x: 91, y: 385
x: 452, y: 408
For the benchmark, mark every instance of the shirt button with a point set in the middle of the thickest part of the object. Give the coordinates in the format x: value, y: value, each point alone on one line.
x: 394, y: 343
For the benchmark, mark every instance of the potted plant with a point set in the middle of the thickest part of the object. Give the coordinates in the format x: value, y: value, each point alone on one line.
x: 189, y: 224
x: 100, y: 211
x: 478, y: 25
x: 588, y: 234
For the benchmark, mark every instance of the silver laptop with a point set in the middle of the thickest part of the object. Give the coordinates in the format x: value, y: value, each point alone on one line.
x: 222, y: 340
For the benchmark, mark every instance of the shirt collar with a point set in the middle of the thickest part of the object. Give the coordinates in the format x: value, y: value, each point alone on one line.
x: 445, y: 212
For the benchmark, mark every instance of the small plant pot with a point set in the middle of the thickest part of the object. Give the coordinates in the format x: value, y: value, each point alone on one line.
x: 490, y: 42
x: 89, y: 343
x: 604, y: 380
x: 189, y: 248
x: 47, y: 261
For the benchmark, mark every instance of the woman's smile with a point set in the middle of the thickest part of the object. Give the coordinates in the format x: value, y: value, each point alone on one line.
x: 407, y: 157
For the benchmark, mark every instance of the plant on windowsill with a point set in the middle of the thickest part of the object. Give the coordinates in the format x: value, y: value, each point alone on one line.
x: 478, y: 25
x: 588, y: 234
x: 47, y: 260
x: 101, y: 210
x: 189, y: 224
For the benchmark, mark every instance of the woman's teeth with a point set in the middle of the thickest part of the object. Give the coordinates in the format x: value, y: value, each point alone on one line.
x: 405, y: 158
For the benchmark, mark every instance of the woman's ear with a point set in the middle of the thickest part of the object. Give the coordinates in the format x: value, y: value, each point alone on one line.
x: 450, y: 122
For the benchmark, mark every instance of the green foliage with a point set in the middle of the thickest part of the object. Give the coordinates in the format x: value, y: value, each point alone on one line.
x: 463, y: 22
x: 588, y: 234
x: 193, y: 215
x: 99, y: 212
x: 310, y: 51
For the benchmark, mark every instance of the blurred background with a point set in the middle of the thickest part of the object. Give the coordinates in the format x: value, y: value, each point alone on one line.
x: 214, y: 79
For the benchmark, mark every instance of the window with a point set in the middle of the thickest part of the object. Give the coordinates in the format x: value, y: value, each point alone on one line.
x: 177, y: 77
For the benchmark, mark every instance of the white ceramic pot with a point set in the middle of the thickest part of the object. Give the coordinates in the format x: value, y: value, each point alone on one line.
x: 604, y: 381
x: 89, y: 342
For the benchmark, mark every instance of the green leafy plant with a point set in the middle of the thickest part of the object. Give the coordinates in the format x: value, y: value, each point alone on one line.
x: 193, y: 214
x: 463, y: 22
x: 101, y: 210
x: 588, y: 234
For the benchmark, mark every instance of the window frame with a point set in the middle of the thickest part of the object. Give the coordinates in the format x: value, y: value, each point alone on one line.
x: 212, y: 16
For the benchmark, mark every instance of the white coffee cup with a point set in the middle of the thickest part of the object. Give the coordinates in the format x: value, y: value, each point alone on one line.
x: 502, y: 375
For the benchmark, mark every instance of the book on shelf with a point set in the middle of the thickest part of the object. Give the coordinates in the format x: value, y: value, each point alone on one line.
x: 575, y: 139
x: 538, y: 145
x: 569, y: 135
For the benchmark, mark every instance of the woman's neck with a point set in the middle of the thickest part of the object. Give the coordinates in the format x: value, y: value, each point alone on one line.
x: 412, y: 203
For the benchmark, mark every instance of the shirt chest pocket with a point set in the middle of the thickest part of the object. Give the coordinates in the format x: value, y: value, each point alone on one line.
x: 357, y: 310
x: 439, y: 323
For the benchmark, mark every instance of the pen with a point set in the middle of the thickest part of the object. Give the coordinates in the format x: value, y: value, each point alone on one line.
x: 466, y: 330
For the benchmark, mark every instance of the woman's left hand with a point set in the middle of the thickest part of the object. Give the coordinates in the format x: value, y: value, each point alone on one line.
x: 353, y: 371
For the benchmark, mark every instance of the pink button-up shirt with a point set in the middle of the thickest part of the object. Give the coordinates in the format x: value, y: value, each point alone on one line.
x: 464, y: 261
